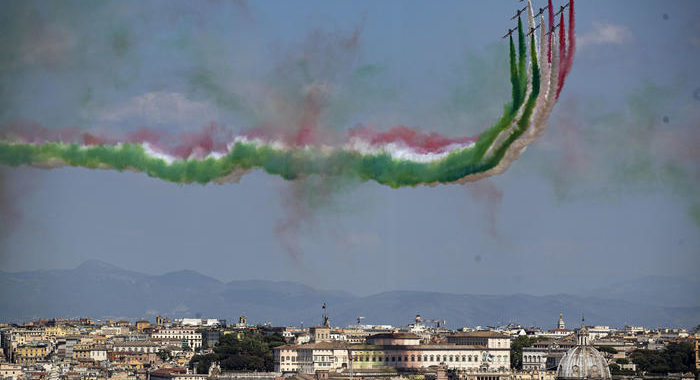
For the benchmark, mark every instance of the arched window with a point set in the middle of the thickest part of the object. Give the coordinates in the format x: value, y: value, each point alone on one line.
x: 413, y: 358
x: 432, y: 358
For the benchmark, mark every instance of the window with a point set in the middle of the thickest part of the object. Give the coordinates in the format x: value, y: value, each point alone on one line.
x: 464, y: 358
x: 413, y: 358
x: 451, y: 358
x: 432, y: 358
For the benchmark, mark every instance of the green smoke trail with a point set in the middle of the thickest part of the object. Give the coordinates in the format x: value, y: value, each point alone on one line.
x: 522, y: 61
x: 515, y: 83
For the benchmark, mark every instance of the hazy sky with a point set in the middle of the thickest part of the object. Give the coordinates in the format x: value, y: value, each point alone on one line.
x: 607, y: 194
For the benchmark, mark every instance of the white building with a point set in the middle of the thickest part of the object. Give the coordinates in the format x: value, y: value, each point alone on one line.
x: 184, y: 334
x: 145, y: 347
x: 598, y: 332
x: 195, y: 322
x: 395, y: 351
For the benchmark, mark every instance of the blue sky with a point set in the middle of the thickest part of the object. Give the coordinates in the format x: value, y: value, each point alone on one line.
x: 607, y: 194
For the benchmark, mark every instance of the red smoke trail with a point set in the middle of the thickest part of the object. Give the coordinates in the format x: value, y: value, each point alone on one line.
x: 213, y: 138
x: 297, y: 215
x: 307, y: 134
x: 490, y: 197
x: 145, y: 135
x: 562, y: 52
x: 568, y: 60
x: 551, y: 25
x: 418, y: 141
x: 34, y: 133
x: 572, y: 42
x: 98, y: 139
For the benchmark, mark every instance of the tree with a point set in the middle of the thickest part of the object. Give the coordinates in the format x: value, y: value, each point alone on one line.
x: 607, y: 349
x: 249, y: 352
x: 616, y: 370
x: 676, y: 357
x: 165, y: 355
x: 516, y: 350
x: 202, y: 362
x: 622, y: 361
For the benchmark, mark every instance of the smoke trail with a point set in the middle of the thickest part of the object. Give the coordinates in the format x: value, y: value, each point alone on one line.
x: 491, y: 197
x: 550, y: 28
x: 569, y: 61
x: 400, y: 157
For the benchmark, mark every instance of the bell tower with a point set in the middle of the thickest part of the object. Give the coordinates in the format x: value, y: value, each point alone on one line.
x: 560, y: 324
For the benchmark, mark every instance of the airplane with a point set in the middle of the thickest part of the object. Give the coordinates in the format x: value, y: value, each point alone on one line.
x: 532, y: 30
x: 518, y: 12
x: 561, y: 9
x: 541, y: 10
x: 554, y: 27
x: 510, y: 32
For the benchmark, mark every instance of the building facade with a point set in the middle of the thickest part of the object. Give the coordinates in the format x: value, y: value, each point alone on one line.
x: 186, y: 335
x: 399, y: 351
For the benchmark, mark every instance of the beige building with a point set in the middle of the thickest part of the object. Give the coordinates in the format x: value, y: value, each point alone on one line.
x: 10, y: 371
x: 31, y: 353
x: 147, y: 347
x: 399, y: 351
x: 188, y: 335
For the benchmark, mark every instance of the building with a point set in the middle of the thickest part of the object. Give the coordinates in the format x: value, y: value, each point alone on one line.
x: 545, y: 355
x: 31, y: 353
x: 400, y: 351
x: 188, y: 336
x: 583, y: 361
x: 147, y: 347
x: 10, y: 371
x: 142, y: 325
x: 489, y: 339
x: 599, y: 332
x: 176, y: 374
x: 160, y: 320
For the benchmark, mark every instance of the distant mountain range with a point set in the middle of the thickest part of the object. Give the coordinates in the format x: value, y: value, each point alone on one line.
x: 101, y: 290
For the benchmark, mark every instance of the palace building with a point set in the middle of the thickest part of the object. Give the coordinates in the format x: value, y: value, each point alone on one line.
x: 475, y: 350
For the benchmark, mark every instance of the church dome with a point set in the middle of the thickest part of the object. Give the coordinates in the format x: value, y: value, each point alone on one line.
x: 583, y: 361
